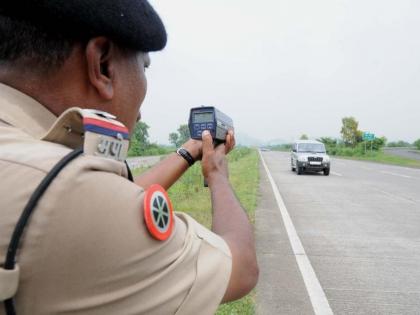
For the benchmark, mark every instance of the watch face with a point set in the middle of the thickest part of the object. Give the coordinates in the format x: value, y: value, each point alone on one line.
x: 158, y: 213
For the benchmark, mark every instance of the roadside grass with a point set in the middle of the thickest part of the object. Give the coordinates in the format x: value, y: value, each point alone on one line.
x: 381, y: 157
x: 190, y: 196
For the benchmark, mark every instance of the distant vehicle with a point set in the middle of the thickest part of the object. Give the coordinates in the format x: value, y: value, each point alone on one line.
x: 310, y: 155
x: 264, y: 149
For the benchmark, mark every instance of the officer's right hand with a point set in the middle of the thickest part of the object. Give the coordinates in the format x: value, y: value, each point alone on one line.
x: 214, y: 163
x: 229, y: 219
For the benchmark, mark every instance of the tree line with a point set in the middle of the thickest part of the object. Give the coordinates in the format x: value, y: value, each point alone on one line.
x: 351, y: 142
x: 140, y: 144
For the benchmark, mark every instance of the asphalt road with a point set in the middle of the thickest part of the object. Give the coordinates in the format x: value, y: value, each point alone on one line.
x: 404, y: 152
x: 360, y: 230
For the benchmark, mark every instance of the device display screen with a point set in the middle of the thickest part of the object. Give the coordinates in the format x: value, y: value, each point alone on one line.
x: 203, y: 117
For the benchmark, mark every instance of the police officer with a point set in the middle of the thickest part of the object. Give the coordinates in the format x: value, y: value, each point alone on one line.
x: 76, y: 235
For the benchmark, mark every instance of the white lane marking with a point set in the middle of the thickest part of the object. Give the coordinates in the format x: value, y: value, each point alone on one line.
x: 395, y: 174
x: 316, y: 293
x: 336, y: 174
x: 394, y: 196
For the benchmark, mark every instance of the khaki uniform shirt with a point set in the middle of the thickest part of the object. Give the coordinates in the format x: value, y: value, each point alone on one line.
x: 86, y: 249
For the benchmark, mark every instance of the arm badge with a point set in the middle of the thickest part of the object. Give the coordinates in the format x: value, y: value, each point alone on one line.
x: 158, y: 213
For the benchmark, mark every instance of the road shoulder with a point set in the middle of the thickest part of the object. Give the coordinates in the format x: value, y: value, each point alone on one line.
x: 281, y: 289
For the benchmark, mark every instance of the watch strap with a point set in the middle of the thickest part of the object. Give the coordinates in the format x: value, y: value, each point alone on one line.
x: 186, y: 155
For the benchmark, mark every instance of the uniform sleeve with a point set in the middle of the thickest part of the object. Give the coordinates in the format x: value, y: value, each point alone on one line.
x: 94, y: 254
x: 213, y: 269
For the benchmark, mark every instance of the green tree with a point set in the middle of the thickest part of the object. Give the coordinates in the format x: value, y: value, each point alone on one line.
x: 184, y: 133
x: 304, y: 137
x: 139, y: 140
x: 329, y: 142
x: 134, y: 149
x: 181, y: 136
x: 379, y: 143
x: 141, y: 133
x: 417, y: 144
x: 349, y: 131
x: 174, y: 138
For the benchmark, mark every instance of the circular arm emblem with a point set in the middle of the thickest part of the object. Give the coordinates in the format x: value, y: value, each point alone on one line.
x: 158, y: 213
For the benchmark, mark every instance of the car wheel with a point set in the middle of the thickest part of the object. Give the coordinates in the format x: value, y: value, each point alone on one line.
x: 293, y: 168
x: 299, y: 170
x: 326, y: 171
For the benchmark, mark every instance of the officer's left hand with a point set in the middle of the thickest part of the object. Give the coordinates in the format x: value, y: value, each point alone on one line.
x: 195, y: 147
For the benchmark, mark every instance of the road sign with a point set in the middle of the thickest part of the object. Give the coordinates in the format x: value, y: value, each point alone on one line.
x: 367, y: 136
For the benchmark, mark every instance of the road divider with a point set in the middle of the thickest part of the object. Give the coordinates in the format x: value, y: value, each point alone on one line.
x: 316, y: 294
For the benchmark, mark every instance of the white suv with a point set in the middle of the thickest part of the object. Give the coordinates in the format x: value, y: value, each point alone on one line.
x: 309, y: 155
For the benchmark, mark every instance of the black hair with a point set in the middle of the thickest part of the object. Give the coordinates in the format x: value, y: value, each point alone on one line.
x: 25, y: 44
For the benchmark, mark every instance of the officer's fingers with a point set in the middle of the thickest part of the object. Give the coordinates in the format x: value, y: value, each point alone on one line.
x: 221, y: 149
x: 207, y: 142
x: 233, y: 139
x: 230, y: 141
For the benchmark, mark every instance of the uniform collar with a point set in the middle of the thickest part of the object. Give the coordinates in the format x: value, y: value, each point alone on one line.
x: 23, y: 112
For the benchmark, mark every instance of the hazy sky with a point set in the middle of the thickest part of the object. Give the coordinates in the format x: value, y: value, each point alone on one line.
x: 281, y: 68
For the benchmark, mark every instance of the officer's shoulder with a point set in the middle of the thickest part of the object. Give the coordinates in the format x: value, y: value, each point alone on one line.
x: 103, y: 140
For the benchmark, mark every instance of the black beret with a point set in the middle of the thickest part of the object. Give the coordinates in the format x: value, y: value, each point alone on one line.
x: 131, y: 23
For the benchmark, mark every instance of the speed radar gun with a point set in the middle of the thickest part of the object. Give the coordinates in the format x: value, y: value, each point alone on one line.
x: 211, y: 119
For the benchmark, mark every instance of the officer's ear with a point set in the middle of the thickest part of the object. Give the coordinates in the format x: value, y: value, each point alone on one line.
x: 100, y: 58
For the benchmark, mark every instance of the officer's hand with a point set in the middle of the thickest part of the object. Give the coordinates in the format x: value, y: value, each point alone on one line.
x: 195, y: 147
x: 230, y: 141
x: 214, y: 163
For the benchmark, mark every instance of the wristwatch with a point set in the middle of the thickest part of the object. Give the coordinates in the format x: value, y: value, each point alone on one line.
x: 186, y: 155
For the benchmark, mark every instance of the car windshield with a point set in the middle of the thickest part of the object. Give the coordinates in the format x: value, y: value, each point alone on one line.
x: 311, y: 147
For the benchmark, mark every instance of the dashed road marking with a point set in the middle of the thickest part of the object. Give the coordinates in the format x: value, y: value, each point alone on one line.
x: 394, y: 196
x: 336, y: 174
x: 316, y: 293
x: 395, y: 174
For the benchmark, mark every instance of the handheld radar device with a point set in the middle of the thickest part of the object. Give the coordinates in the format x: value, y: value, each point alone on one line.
x: 211, y: 119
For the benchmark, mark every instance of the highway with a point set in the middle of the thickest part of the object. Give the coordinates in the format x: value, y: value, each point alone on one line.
x: 359, y: 232
x: 404, y: 152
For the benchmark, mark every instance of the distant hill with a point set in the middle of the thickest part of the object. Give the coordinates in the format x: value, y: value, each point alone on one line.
x: 277, y: 142
x: 245, y: 140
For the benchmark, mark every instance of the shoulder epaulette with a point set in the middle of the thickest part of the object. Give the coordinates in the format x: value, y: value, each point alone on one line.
x: 97, y: 131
